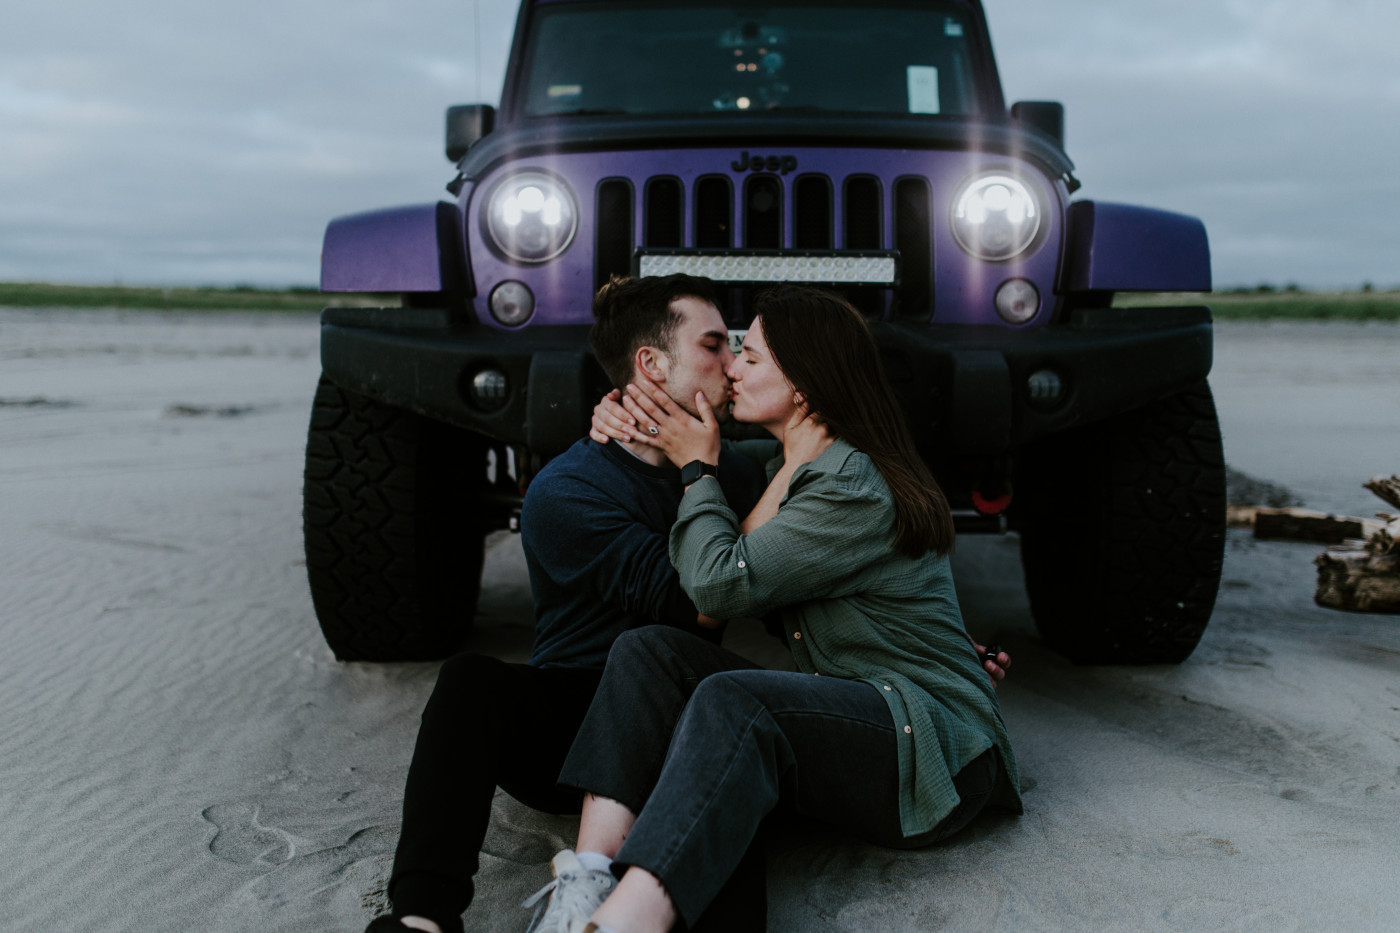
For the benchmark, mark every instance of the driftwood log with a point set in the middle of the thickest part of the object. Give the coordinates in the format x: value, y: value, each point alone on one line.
x: 1386, y: 540
x: 1350, y: 577
x: 1240, y: 516
x: 1387, y: 487
x: 1364, y: 576
x: 1307, y: 525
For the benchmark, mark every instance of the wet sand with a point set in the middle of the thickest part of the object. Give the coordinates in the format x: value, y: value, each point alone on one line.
x: 179, y: 750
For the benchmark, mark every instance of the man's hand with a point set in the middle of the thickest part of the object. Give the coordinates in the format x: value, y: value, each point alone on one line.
x: 997, y: 664
x: 611, y: 421
x: 705, y: 621
x: 805, y: 437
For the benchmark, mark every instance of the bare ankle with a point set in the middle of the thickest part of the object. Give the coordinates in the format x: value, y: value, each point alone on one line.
x: 639, y: 903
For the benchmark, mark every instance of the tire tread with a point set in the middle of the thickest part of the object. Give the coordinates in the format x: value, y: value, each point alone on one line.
x: 393, y: 548
x: 1123, y: 532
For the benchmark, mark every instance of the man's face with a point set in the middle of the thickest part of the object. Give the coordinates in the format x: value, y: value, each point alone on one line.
x: 699, y: 356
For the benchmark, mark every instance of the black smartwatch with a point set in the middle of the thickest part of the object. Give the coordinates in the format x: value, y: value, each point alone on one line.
x: 695, y: 469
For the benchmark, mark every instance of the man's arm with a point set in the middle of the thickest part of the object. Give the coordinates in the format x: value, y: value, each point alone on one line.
x: 584, y: 541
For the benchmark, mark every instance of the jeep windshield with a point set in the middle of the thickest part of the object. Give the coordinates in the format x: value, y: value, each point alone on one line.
x: 635, y: 58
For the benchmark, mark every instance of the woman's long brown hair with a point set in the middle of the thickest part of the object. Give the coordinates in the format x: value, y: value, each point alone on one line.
x: 825, y: 349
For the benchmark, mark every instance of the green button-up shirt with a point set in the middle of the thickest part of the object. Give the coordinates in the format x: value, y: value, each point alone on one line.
x: 854, y: 607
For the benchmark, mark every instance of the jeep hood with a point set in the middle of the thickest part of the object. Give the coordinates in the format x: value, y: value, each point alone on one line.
x: 533, y: 137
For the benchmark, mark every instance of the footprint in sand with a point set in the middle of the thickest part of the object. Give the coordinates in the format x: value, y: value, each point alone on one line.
x: 242, y: 840
x: 295, y: 869
x: 359, y: 866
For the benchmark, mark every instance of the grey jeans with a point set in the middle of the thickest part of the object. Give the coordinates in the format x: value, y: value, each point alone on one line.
x: 702, y: 745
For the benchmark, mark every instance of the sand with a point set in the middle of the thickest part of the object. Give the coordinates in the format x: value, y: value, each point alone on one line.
x: 180, y: 751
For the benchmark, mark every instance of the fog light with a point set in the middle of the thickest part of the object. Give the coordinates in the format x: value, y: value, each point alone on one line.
x: 1017, y: 301
x: 489, y: 390
x: 512, y: 303
x: 1045, y: 388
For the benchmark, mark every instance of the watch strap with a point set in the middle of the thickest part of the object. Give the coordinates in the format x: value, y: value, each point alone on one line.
x: 695, y: 469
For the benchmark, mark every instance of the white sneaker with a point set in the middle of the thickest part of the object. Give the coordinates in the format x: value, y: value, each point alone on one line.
x: 574, y: 894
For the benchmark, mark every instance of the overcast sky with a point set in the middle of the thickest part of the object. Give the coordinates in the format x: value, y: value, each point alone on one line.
x: 170, y: 142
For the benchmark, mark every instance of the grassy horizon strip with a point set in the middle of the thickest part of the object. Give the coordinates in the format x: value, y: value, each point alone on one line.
x: 44, y: 295
x: 1234, y: 304
x: 1277, y: 305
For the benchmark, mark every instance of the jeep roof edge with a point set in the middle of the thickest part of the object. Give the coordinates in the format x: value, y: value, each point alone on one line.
x: 990, y: 95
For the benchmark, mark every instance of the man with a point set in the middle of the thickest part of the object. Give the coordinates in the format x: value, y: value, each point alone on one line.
x: 594, y: 528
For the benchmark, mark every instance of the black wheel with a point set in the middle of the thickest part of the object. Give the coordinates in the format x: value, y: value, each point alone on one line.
x: 1123, y: 532
x: 394, y: 532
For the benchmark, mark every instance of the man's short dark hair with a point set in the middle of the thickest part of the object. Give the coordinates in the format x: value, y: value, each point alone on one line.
x: 629, y: 313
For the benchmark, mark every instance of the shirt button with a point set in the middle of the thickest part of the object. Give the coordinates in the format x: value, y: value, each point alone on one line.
x: 886, y: 686
x: 742, y: 565
x: 908, y: 729
x: 797, y: 635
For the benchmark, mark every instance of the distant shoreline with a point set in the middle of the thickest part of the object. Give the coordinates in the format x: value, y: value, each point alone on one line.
x: 1282, y: 304
x: 1234, y: 304
x: 135, y: 298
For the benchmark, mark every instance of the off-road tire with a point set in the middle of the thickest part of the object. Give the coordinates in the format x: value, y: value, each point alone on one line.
x: 1122, y: 529
x: 394, y: 538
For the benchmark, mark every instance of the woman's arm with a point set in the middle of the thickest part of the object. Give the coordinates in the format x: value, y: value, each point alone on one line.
x: 828, y: 533
x: 768, y: 503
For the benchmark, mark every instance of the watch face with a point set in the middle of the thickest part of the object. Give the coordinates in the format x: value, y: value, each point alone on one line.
x: 695, y: 469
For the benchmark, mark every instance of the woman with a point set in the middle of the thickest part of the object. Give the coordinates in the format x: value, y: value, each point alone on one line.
x: 897, y: 739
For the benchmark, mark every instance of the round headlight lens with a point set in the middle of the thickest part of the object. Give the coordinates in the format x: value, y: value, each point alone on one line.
x: 531, y: 217
x: 995, y: 217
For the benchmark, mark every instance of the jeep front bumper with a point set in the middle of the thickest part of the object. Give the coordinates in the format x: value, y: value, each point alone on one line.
x: 970, y: 391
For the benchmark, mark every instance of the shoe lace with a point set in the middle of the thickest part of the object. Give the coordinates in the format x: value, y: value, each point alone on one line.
x: 569, y: 900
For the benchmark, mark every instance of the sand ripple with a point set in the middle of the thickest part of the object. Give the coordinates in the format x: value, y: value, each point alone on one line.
x: 179, y: 751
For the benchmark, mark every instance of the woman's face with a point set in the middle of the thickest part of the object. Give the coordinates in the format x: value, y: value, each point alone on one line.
x: 762, y: 394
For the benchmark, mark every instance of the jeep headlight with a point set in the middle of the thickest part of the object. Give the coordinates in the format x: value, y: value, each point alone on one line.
x: 995, y: 216
x: 531, y: 217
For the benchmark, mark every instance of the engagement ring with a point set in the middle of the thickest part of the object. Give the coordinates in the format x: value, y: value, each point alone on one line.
x: 652, y: 431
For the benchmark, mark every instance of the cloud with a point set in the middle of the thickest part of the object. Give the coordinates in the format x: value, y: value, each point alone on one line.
x: 147, y: 140
x: 1271, y: 120
x: 168, y: 142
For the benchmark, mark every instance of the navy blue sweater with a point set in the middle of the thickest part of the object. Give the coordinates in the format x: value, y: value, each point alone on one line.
x: 595, y: 526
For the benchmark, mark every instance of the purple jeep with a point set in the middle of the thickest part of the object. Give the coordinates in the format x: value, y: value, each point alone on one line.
x: 861, y: 146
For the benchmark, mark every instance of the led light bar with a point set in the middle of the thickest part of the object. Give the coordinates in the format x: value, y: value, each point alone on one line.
x: 820, y: 268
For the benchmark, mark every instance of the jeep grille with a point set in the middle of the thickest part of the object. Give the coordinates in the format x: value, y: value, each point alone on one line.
x: 773, y: 212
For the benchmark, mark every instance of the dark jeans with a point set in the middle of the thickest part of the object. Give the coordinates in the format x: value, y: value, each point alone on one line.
x: 702, y: 746
x: 490, y: 723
